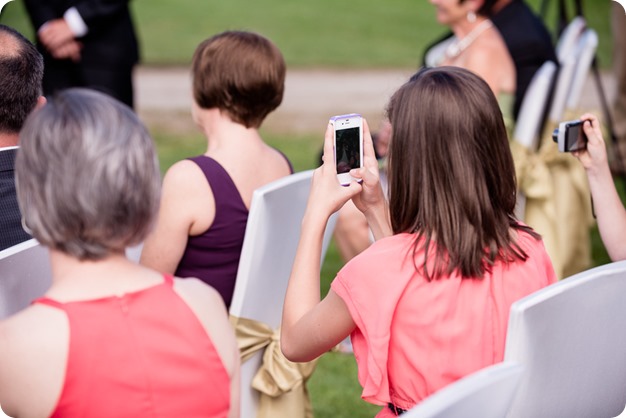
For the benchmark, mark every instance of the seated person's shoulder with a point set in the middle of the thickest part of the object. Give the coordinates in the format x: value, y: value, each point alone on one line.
x: 196, y: 292
x: 182, y: 171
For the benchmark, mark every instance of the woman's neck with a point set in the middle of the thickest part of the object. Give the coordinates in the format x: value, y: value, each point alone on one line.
x: 224, y: 135
x: 464, y: 27
x: 74, y: 279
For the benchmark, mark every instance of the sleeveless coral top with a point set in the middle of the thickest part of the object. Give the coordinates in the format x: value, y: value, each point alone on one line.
x: 143, y: 354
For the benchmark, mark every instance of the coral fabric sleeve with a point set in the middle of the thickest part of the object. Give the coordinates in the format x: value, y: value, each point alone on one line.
x: 414, y: 337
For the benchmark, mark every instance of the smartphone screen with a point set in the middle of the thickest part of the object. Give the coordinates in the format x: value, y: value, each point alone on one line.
x: 348, y: 145
x: 575, y: 138
x: 347, y: 149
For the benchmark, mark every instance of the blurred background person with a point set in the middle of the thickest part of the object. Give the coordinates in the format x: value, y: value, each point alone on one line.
x: 21, y: 71
x: 478, y: 45
x: 428, y: 302
x: 110, y: 338
x: 526, y: 38
x: 238, y: 79
x: 88, y: 43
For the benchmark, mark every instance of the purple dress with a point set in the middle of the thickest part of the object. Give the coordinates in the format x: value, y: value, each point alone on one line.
x: 213, y: 256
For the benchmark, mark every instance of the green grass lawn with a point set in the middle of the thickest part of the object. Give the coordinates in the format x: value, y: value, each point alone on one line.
x: 321, y: 33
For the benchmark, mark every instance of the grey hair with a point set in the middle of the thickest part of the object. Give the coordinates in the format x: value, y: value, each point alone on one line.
x: 87, y: 176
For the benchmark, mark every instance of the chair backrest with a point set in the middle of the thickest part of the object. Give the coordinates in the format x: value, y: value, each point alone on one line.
x: 533, y: 106
x: 24, y: 275
x: 566, y: 43
x: 562, y: 88
x: 530, y: 119
x: 585, y: 52
x: 571, y: 339
x: 268, y: 252
x: 487, y: 393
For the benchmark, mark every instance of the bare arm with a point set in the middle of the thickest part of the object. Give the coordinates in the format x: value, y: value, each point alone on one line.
x: 311, y: 327
x: 608, y: 207
x: 180, y: 202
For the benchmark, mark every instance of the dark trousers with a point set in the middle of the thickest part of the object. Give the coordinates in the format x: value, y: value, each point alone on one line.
x: 63, y: 74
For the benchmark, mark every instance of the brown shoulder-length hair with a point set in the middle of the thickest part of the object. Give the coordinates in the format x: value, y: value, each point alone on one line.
x: 451, y: 174
x: 240, y: 73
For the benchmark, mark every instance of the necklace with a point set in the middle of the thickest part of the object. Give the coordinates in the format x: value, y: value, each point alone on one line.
x: 456, y: 48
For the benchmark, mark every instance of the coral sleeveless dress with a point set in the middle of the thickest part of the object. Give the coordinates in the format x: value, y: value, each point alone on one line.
x: 143, y: 354
x: 414, y: 336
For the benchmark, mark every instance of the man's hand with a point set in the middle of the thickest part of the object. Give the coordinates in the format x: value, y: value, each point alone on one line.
x: 54, y: 34
x: 68, y: 50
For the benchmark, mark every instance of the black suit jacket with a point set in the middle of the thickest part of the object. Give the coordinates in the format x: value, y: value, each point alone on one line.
x: 527, y: 40
x: 11, y: 231
x: 111, y: 40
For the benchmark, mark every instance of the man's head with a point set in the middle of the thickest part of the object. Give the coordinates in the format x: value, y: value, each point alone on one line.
x: 21, y: 72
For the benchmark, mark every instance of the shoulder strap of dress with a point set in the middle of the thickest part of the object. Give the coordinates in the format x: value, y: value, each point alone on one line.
x: 168, y: 279
x: 286, y: 159
x: 49, y: 302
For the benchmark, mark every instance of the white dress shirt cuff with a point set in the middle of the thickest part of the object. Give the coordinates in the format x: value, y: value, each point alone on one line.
x: 75, y: 22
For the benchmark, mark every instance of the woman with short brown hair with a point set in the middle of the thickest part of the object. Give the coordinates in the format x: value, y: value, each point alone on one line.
x: 238, y: 78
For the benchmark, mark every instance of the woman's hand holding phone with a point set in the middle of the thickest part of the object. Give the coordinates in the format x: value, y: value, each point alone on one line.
x: 327, y: 195
x: 371, y: 200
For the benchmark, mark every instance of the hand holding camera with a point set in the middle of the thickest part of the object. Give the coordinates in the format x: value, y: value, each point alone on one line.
x: 593, y: 156
x: 570, y: 136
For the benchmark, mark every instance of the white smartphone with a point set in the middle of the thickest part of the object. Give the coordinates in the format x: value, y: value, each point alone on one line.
x: 348, y: 135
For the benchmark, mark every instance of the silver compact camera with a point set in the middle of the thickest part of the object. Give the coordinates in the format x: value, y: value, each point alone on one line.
x: 570, y: 136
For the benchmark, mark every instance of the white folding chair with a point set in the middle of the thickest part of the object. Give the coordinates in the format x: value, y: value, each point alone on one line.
x: 24, y: 275
x: 527, y: 129
x: 487, y: 393
x: 562, y: 88
x: 566, y: 43
x: 585, y: 52
x: 570, y: 337
x: 533, y: 106
x: 268, y: 252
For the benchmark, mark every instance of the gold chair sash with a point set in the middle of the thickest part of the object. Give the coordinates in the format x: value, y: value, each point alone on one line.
x: 280, y: 382
x: 557, y: 201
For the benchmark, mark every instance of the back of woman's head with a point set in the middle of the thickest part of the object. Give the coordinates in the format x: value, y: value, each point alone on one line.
x: 240, y: 73
x: 451, y: 173
x: 87, y: 176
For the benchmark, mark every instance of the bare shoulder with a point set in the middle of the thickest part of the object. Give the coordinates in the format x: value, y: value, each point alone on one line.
x: 488, y: 48
x: 182, y: 173
x: 195, y: 291
x: 33, y: 342
x: 280, y: 161
x: 32, y: 329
